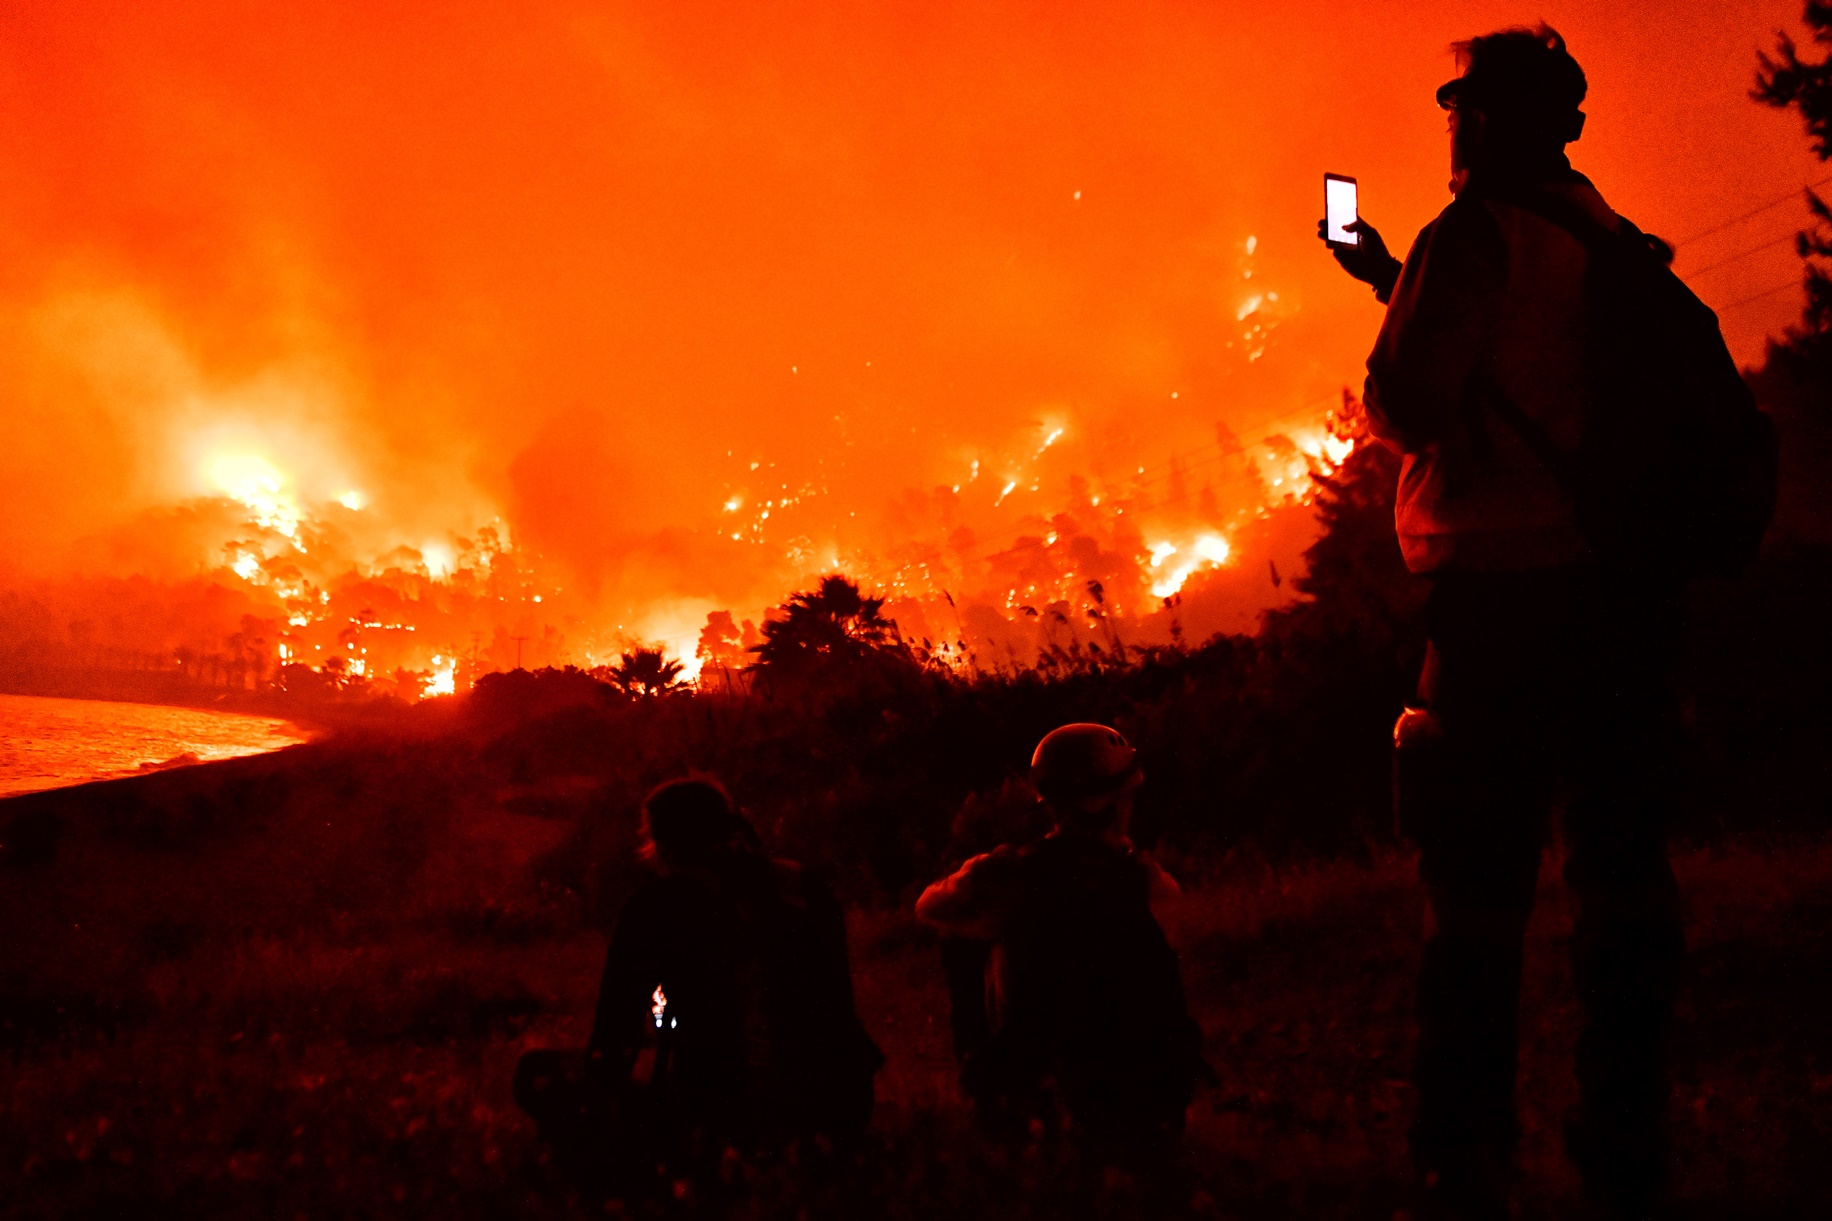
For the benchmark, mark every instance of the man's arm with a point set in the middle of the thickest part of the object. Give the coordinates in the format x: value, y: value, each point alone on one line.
x: 1439, y: 327
x: 624, y: 991
x: 973, y: 900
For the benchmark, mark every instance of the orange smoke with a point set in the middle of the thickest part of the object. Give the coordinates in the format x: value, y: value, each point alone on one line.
x: 687, y: 303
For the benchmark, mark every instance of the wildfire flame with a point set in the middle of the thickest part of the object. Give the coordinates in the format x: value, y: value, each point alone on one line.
x: 444, y: 678
x: 258, y: 484
x: 1209, y: 549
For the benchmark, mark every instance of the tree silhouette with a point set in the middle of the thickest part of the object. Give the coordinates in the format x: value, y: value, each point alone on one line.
x: 643, y: 672
x: 1786, y: 81
x: 1795, y: 384
x: 719, y: 641
x: 834, y: 624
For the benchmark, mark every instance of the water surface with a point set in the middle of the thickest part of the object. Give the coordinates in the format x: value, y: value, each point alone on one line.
x: 48, y: 743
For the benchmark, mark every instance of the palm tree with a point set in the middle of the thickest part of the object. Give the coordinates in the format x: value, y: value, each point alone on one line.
x: 834, y: 623
x: 641, y: 673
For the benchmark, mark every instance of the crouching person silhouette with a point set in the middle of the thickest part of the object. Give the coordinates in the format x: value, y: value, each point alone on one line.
x: 1079, y: 1018
x: 725, y: 1015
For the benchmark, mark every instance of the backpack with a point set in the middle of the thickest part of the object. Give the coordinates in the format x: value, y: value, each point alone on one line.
x: 1676, y: 471
x: 1091, y: 990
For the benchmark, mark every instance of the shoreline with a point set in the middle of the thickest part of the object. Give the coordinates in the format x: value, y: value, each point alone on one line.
x: 56, y: 744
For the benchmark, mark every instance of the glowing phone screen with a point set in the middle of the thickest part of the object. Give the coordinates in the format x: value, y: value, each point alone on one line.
x: 1339, y: 210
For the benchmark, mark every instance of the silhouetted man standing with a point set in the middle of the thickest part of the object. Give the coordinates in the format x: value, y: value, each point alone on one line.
x: 1550, y: 667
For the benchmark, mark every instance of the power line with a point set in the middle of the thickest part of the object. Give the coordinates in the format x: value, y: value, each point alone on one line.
x: 1757, y: 211
x: 1742, y: 254
x: 1758, y: 296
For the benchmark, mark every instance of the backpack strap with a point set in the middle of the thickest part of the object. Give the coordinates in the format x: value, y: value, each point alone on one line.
x: 1587, y: 229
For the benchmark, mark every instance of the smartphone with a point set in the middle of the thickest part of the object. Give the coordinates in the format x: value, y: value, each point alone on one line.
x: 1339, y: 210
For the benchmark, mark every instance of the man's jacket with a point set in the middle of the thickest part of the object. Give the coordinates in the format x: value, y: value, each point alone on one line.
x: 1491, y: 302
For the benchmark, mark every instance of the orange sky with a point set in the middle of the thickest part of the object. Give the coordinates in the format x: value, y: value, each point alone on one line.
x: 556, y: 261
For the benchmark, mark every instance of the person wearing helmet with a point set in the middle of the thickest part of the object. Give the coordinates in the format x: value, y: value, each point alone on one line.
x: 1083, y: 996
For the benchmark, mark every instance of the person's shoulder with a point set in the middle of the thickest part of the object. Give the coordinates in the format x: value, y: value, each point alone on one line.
x: 1003, y: 861
x: 1466, y: 236
x: 1469, y: 218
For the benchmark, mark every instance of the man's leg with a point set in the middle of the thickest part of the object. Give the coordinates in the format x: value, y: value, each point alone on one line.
x: 1627, y: 948
x: 1480, y: 876
x: 1491, y: 681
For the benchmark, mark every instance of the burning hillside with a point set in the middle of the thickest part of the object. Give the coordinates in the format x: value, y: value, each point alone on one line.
x: 397, y: 346
x: 1031, y: 549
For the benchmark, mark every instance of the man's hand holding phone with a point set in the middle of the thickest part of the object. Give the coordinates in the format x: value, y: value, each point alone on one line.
x: 1370, y: 262
x: 1356, y: 244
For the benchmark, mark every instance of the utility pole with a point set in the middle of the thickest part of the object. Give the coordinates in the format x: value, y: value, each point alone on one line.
x: 518, y: 650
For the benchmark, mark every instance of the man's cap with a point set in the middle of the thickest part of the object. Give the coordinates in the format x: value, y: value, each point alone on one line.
x: 1521, y: 73
x: 1079, y: 762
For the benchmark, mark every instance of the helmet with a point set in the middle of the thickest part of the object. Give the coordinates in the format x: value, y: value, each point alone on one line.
x: 1077, y: 763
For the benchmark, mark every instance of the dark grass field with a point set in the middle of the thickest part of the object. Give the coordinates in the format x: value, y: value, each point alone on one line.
x: 315, y: 1013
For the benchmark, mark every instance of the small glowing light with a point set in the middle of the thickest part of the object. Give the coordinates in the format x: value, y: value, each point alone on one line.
x: 1173, y: 394
x: 1252, y: 243
x: 1248, y: 307
x: 1006, y: 491
x: 734, y: 504
x: 353, y: 500
x: 1078, y: 196
x: 537, y: 597
x: 297, y: 620
x: 658, y: 1006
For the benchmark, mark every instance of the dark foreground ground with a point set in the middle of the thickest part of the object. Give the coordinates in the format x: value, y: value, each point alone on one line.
x: 315, y: 1013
